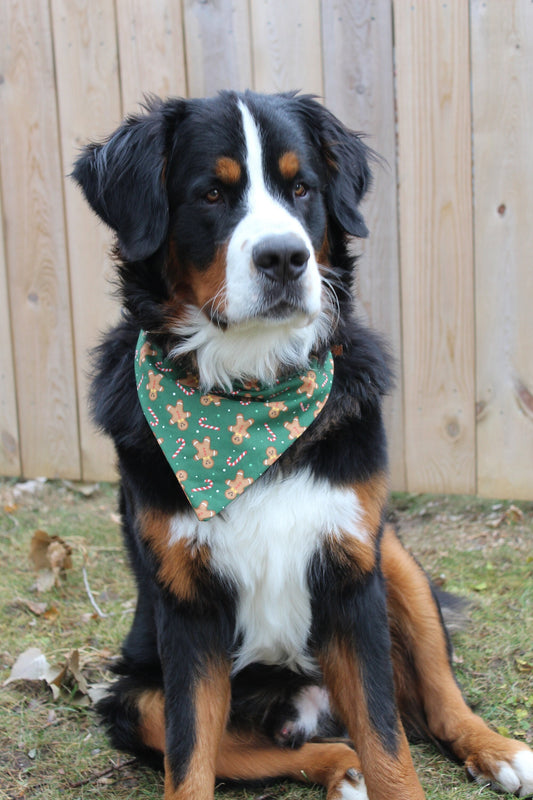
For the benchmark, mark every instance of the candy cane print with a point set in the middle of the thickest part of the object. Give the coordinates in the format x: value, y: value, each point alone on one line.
x: 324, y: 381
x: 156, y: 418
x: 161, y: 368
x: 188, y: 392
x: 271, y: 435
x: 182, y: 444
x: 231, y: 463
x: 208, y: 484
x: 202, y: 422
x: 304, y: 408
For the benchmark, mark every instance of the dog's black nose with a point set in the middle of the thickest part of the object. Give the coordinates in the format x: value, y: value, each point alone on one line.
x: 281, y: 258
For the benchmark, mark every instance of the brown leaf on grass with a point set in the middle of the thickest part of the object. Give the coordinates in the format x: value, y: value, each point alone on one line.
x: 36, y: 608
x: 85, y: 489
x: 514, y: 514
x: 32, y: 665
x: 51, y: 557
x: 523, y: 666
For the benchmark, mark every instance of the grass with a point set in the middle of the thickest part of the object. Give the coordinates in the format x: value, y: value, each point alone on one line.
x: 55, y: 748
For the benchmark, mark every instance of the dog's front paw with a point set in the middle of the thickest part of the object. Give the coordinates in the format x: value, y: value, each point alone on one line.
x: 510, y: 771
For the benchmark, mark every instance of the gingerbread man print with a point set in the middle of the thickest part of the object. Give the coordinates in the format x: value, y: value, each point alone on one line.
x: 275, y: 407
x: 320, y: 406
x: 204, y: 452
x: 240, y: 429
x: 178, y: 416
x: 153, y: 384
x: 294, y: 428
x: 207, y: 399
x: 238, y: 485
x: 272, y: 456
x: 309, y: 384
x: 146, y: 350
x: 203, y: 512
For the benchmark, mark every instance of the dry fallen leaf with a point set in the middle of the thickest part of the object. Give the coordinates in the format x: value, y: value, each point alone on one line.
x: 85, y: 489
x: 36, y: 608
x: 51, y: 557
x: 32, y: 665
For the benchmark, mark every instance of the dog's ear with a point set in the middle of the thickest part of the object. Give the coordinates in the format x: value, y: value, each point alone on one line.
x: 123, y: 180
x: 347, y: 162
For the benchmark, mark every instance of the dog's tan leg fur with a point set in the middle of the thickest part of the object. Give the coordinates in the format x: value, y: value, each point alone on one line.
x: 212, y: 698
x: 246, y: 757
x: 384, y: 772
x: 412, y: 609
x: 327, y: 764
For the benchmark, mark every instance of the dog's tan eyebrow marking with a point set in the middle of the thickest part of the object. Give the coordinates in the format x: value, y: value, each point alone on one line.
x: 289, y: 164
x: 228, y: 169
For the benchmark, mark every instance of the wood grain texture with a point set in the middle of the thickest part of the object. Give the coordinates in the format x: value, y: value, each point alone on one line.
x: 433, y: 90
x: 217, y: 34
x: 89, y: 107
x: 287, y: 45
x: 359, y: 88
x: 9, y: 434
x: 502, y: 86
x: 35, y: 244
x: 152, y: 57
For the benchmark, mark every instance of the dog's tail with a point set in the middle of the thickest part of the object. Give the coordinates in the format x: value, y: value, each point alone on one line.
x: 133, y: 712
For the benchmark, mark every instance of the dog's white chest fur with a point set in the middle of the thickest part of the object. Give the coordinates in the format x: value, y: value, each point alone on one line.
x: 263, y: 543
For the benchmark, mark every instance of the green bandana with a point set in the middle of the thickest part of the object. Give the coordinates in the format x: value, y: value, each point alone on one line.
x: 218, y: 444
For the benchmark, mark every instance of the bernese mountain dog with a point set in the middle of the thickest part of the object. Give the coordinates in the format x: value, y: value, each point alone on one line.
x: 281, y: 629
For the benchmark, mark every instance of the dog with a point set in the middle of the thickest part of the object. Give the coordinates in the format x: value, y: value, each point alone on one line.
x: 281, y: 629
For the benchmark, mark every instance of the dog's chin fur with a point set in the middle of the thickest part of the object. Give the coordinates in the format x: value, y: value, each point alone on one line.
x: 256, y: 349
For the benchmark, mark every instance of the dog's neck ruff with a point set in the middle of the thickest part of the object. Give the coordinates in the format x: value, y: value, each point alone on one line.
x: 218, y: 444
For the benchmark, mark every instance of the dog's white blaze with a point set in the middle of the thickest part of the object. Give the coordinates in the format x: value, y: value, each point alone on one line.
x: 265, y: 216
x: 263, y: 543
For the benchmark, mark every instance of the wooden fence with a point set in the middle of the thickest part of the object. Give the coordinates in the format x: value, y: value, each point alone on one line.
x: 445, y: 91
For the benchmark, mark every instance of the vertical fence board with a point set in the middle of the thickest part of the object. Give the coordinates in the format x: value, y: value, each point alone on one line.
x: 432, y: 61
x: 502, y: 62
x: 151, y: 48
x: 89, y: 107
x: 287, y: 46
x: 9, y: 436
x: 359, y: 88
x: 35, y: 238
x: 218, y: 46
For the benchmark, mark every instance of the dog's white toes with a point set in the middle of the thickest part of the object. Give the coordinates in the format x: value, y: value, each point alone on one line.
x: 514, y: 776
x: 507, y: 778
x: 522, y: 764
x: 350, y: 790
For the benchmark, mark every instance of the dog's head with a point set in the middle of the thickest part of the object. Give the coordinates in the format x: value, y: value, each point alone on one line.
x: 227, y: 212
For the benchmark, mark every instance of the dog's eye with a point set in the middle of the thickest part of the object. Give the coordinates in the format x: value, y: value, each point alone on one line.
x: 213, y: 196
x: 300, y: 189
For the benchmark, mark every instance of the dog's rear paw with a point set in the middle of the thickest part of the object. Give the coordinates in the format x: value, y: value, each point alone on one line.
x: 351, y: 787
x: 513, y: 773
